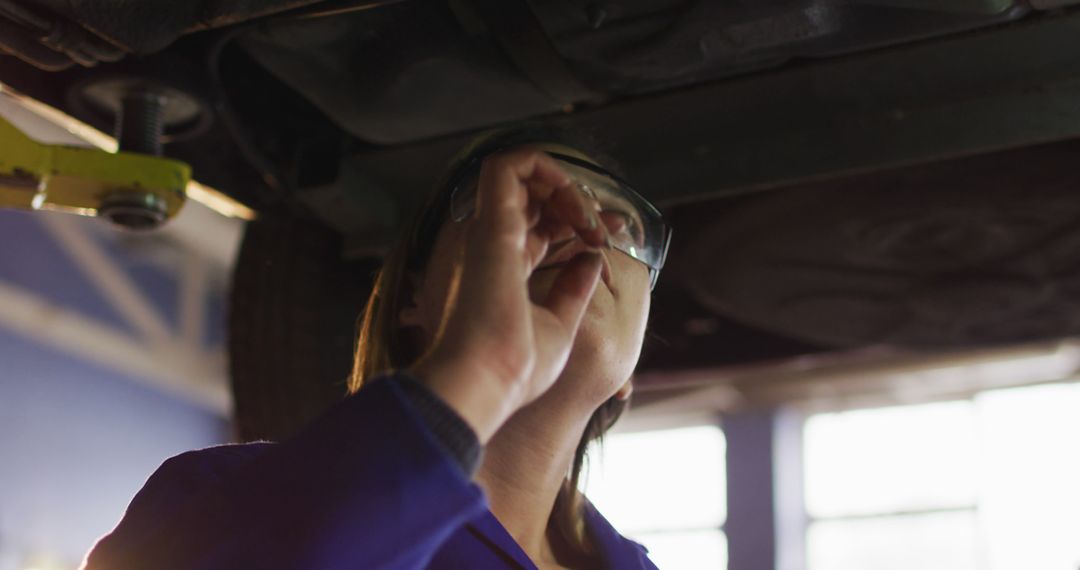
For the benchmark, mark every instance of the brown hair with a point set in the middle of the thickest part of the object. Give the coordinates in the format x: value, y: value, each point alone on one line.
x: 381, y: 346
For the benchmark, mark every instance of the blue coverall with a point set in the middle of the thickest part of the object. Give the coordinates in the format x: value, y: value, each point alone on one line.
x: 365, y: 486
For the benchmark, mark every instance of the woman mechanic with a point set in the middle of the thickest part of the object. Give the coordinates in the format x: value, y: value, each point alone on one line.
x: 498, y: 341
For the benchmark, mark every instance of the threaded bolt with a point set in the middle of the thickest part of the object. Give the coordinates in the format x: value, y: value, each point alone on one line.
x: 140, y: 123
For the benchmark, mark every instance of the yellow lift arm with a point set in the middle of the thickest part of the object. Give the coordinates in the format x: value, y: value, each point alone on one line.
x: 133, y: 190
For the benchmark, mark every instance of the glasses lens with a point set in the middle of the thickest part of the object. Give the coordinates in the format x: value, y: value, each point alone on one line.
x: 635, y: 226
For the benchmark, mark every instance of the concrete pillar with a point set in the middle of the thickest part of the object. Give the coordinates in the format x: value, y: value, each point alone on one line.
x: 765, y: 521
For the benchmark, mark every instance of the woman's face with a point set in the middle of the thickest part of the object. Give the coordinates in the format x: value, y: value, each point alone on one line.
x: 608, y: 342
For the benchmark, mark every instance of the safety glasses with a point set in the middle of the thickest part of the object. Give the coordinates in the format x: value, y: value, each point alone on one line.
x: 636, y: 227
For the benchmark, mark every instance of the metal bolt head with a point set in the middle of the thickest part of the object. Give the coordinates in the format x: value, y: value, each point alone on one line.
x: 134, y: 210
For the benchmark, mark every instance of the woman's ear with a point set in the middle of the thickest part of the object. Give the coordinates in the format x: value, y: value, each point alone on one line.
x: 624, y: 392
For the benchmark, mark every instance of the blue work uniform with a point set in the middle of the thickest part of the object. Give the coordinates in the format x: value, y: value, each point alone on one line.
x: 367, y: 485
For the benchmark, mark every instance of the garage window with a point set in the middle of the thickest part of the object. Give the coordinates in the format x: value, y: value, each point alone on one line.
x: 664, y: 489
x: 983, y: 484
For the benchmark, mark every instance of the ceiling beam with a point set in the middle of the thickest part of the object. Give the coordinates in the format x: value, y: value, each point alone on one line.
x: 198, y: 379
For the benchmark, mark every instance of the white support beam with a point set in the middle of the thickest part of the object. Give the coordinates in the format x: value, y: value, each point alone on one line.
x: 194, y: 283
x: 197, y: 379
x: 112, y: 281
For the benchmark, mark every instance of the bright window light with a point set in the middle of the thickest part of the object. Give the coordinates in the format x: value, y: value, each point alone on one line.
x: 1030, y: 475
x: 695, y: 549
x: 891, y: 460
x: 987, y: 484
x: 938, y: 541
x: 666, y: 490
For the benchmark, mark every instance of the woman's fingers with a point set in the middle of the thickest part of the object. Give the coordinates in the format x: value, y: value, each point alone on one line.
x: 497, y: 238
x: 534, y: 213
x: 507, y: 179
x: 553, y: 227
x: 520, y: 179
x: 570, y: 205
x: 523, y: 200
x: 493, y: 330
x: 537, y: 246
x: 573, y: 288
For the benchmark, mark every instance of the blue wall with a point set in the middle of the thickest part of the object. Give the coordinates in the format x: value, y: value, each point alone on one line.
x: 77, y: 440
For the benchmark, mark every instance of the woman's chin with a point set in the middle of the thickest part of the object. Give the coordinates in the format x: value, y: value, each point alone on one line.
x: 599, y: 323
x: 600, y: 344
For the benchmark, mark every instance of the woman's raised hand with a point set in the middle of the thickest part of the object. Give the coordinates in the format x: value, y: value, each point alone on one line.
x: 496, y: 350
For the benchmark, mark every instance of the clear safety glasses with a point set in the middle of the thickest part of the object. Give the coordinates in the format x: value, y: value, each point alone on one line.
x: 636, y: 227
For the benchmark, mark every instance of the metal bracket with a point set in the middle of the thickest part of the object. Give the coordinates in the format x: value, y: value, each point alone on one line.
x: 132, y: 190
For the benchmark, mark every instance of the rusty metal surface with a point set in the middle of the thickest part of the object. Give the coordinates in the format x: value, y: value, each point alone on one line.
x: 969, y: 252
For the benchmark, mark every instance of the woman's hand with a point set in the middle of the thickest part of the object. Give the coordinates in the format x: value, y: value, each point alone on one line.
x: 496, y: 350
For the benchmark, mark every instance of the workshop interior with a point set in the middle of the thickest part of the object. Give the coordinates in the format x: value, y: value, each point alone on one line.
x: 863, y: 348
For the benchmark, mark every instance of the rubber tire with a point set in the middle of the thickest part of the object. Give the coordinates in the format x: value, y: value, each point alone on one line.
x: 294, y: 305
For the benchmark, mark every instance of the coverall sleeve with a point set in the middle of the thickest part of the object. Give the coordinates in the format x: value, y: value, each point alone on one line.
x: 365, y: 486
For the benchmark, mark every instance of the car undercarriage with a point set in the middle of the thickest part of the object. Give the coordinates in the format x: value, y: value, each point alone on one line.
x: 841, y: 175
